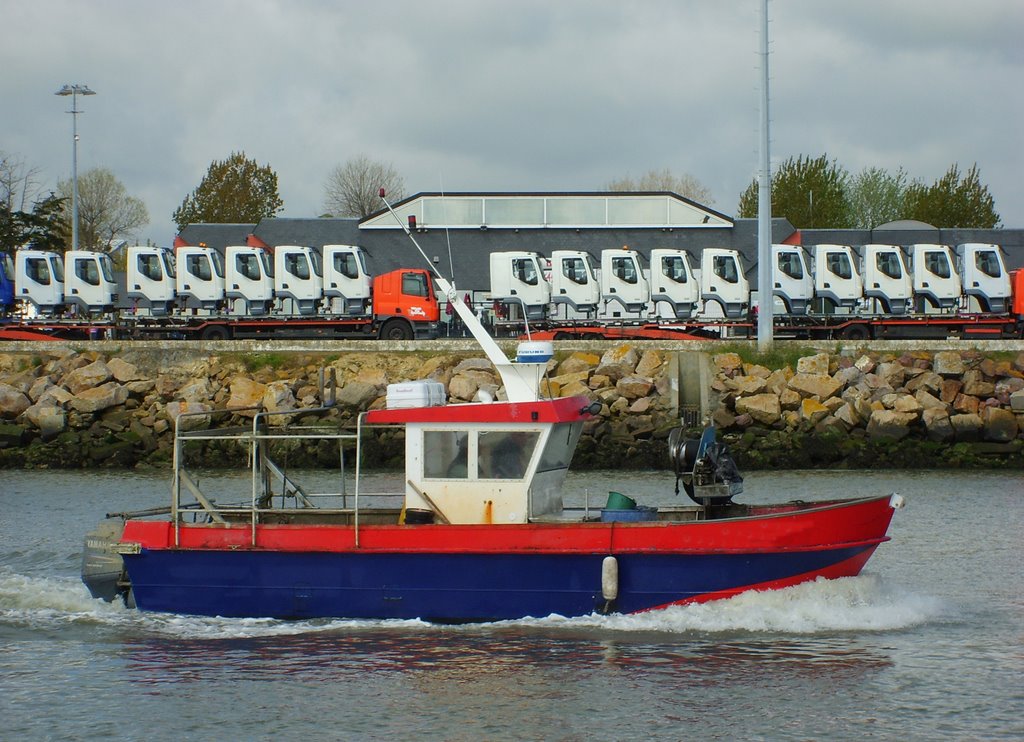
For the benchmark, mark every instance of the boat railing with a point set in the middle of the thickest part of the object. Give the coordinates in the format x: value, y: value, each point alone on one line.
x: 275, y: 495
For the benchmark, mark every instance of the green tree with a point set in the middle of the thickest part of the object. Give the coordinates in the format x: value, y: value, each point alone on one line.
x: 353, y: 189
x: 952, y: 201
x: 664, y: 180
x: 45, y: 227
x: 235, y: 190
x: 105, y: 210
x: 876, y: 197
x: 810, y: 192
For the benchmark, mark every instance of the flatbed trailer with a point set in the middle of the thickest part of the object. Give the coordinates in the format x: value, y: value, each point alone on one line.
x: 791, y: 327
x: 220, y: 328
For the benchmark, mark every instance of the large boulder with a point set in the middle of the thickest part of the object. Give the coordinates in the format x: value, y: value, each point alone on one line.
x: 100, y: 397
x: 890, y: 424
x: 821, y: 386
x: 761, y: 407
x: 816, y: 364
x: 937, y: 425
x: 967, y: 426
x: 12, y: 401
x: 49, y: 419
x: 948, y: 363
x: 1000, y: 425
x: 87, y: 377
x: 246, y: 394
x: 634, y: 387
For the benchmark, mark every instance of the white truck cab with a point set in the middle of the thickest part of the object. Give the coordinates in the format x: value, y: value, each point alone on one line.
x: 249, y: 279
x: 518, y: 278
x: 722, y: 281
x: 623, y: 280
x: 200, y: 276
x: 934, y: 277
x: 984, y: 275
x: 346, y: 281
x: 886, y: 278
x: 39, y: 277
x: 151, y: 279
x: 89, y: 283
x: 673, y: 281
x: 298, y: 278
x: 837, y: 280
x: 791, y: 279
x: 574, y: 282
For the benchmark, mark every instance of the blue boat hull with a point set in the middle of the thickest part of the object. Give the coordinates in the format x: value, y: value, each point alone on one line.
x: 455, y: 587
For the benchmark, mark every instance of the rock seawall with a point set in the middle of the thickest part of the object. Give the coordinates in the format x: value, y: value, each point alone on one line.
x: 118, y: 409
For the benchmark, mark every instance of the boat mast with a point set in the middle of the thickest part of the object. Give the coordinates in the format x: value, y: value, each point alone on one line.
x: 521, y: 380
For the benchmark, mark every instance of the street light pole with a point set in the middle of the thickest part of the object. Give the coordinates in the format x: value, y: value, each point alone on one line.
x: 74, y: 91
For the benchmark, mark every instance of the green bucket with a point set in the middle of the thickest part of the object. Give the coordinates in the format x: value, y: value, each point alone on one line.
x: 618, y: 501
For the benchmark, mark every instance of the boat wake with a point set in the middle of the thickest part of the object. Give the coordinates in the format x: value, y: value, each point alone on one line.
x: 863, y: 604
x: 853, y: 604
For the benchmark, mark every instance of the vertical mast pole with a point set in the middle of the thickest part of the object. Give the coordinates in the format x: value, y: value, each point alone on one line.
x: 765, y: 319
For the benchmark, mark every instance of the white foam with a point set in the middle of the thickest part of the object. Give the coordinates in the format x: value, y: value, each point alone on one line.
x: 864, y: 603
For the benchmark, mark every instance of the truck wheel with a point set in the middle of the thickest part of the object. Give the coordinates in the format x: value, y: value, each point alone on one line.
x: 396, y: 329
x: 214, y: 332
x: 856, y: 332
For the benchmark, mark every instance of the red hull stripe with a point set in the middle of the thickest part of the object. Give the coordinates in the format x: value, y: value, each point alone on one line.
x: 859, y: 522
x: 565, y: 409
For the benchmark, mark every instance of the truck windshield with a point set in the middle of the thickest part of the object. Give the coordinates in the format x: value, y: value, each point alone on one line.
x: 415, y: 284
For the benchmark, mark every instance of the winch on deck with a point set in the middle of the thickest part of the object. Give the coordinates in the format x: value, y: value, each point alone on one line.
x: 704, y: 466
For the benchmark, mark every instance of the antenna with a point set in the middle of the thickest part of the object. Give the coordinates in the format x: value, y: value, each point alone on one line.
x: 447, y: 232
x: 521, y: 379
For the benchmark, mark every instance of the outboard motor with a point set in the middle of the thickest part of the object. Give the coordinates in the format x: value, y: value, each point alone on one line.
x: 102, y: 567
x: 707, y: 470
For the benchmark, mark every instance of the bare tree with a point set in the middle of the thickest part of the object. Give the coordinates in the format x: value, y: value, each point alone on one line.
x: 105, y: 210
x: 353, y: 189
x: 664, y: 180
x: 17, y: 191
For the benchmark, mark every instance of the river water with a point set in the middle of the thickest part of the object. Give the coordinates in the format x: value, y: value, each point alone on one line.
x: 927, y: 644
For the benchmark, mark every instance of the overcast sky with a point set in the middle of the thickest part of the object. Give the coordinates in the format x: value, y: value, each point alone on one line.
x: 470, y: 95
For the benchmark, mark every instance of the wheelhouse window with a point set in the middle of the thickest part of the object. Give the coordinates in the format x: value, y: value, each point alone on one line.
x: 504, y: 454
x: 560, y: 446
x: 488, y: 454
x: 446, y: 454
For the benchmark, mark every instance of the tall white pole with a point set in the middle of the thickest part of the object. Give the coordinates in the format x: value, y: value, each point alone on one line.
x: 765, y: 320
x: 74, y: 91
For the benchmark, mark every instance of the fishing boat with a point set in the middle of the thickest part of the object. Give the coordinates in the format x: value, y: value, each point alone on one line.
x: 481, y: 529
